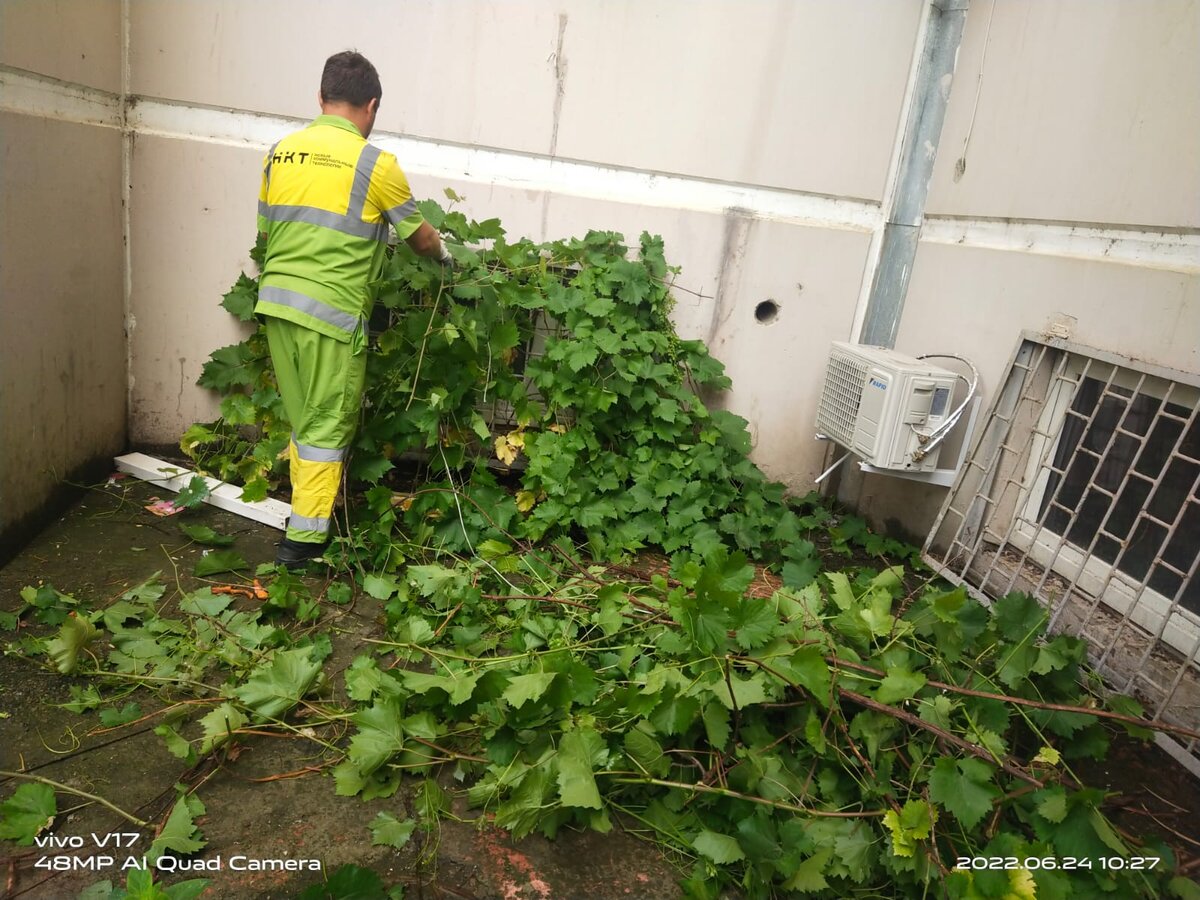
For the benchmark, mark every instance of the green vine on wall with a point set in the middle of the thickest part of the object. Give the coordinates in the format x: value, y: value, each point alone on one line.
x: 559, y: 357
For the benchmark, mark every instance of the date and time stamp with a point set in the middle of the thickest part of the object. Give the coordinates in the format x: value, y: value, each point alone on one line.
x: 1060, y: 863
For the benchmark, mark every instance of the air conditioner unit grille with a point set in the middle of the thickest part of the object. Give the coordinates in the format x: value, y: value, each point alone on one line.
x: 841, y: 398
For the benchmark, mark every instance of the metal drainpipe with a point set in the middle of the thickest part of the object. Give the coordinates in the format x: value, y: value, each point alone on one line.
x: 922, y: 132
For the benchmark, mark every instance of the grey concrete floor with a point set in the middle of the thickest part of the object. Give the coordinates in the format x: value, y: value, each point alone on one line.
x: 103, y: 546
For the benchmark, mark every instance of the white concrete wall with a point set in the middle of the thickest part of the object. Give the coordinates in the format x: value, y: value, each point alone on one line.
x: 62, y: 340
x: 1079, y: 202
x: 774, y: 186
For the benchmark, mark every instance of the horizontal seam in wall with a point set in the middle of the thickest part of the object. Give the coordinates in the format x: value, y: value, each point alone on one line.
x: 1173, y: 250
x: 28, y: 93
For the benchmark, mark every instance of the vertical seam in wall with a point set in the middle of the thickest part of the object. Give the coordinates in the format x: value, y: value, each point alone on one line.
x: 891, y: 183
x: 126, y: 228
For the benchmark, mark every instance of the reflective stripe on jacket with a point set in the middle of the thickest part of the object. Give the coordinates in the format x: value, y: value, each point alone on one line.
x: 326, y: 202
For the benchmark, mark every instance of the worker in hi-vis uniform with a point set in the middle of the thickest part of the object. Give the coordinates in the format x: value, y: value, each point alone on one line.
x: 327, y: 201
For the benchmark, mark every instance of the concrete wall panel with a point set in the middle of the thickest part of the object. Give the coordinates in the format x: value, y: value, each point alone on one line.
x: 778, y: 368
x: 1088, y: 111
x: 71, y: 40
x: 193, y: 224
x: 474, y: 73
x: 62, y: 344
x: 666, y: 87
x: 781, y: 93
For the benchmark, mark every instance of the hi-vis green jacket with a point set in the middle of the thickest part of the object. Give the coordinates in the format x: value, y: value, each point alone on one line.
x: 326, y: 202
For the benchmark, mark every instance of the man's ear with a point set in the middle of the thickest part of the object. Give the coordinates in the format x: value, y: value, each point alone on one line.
x: 320, y: 98
x: 372, y: 106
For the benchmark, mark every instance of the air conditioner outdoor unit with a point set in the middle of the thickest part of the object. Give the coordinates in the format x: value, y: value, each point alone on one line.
x: 883, y: 405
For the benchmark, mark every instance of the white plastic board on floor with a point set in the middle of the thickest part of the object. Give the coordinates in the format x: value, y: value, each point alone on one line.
x: 222, y: 495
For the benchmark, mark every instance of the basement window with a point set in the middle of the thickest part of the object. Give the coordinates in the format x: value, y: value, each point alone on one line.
x: 1084, y: 491
x: 1114, y: 503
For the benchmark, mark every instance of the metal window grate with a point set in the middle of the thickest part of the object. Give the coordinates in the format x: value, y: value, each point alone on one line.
x: 1084, y: 491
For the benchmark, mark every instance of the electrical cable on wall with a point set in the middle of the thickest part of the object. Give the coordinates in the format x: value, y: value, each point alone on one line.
x: 936, y: 436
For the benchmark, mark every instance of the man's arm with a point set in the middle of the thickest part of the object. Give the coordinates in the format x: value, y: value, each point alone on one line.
x: 426, y: 241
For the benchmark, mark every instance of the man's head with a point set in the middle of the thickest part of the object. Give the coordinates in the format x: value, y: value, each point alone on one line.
x: 350, y: 88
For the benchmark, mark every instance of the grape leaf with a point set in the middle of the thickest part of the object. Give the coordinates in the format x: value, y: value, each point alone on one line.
x: 275, y: 688
x: 219, y: 726
x: 720, y: 848
x: 193, y: 494
x: 523, y: 688
x: 809, y: 877
x: 110, y: 718
x: 74, y: 636
x: 389, y: 831
x: 179, y: 833
x: 754, y: 622
x: 576, y: 783
x: 963, y: 787
x: 218, y: 561
x: 27, y: 813
x: 899, y: 684
x: 202, y: 534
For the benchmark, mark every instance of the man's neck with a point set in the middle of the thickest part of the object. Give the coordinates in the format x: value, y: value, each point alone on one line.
x: 355, y: 115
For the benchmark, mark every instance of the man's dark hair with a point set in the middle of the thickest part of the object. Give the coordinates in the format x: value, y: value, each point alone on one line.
x: 349, y: 77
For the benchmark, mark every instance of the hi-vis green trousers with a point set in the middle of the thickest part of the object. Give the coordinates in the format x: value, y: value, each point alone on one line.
x: 321, y: 382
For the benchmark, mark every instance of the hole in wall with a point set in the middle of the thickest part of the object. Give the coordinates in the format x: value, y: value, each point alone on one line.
x: 766, y: 312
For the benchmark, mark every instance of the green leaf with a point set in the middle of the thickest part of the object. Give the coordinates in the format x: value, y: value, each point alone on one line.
x: 1052, y: 804
x: 646, y: 753
x: 369, y: 468
x: 111, y: 718
x: 241, y: 298
x: 807, y: 668
x: 380, y: 736
x: 1019, y: 616
x: 914, y: 823
x: 202, y: 534
x: 720, y: 848
x: 523, y: 688
x: 193, y: 494
x: 219, y: 726
x: 74, y: 637
x: 899, y: 684
x: 348, y: 882
x: 363, y: 679
x: 963, y: 787
x: 179, y: 834
x: 576, y: 783
x: 275, y: 688
x: 755, y: 623
x: 27, y: 813
x: 217, y: 561
x: 147, y: 592
x: 801, y: 574
x: 716, y: 724
x: 389, y: 831
x: 381, y: 587
x: 809, y: 877
x: 177, y: 746
x: 745, y: 691
x: 205, y: 603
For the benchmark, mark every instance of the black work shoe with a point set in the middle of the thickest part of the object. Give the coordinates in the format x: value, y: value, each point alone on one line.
x: 295, y: 554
